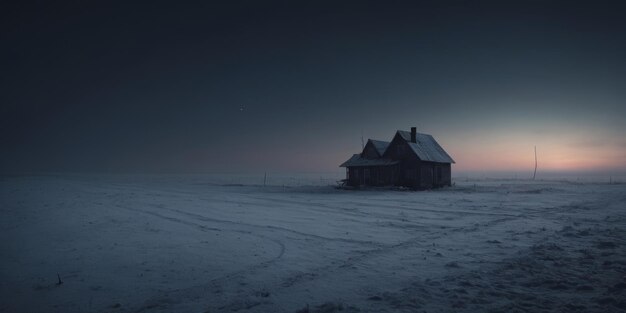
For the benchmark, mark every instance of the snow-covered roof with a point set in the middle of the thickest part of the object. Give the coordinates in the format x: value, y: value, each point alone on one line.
x: 357, y: 160
x: 380, y: 145
x: 426, y: 147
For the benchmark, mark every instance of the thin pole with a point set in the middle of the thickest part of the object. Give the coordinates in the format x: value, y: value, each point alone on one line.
x: 362, y: 142
x: 535, y: 173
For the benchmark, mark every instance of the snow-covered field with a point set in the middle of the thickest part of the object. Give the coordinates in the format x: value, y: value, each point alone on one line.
x: 201, y: 244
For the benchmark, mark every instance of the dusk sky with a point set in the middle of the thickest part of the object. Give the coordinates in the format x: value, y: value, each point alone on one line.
x: 291, y: 86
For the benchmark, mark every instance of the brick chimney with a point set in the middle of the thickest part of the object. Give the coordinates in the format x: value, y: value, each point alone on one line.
x: 413, y: 134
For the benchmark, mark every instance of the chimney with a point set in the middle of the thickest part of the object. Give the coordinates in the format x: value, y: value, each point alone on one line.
x: 413, y: 134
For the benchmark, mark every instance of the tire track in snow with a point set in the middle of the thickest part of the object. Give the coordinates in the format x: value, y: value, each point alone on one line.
x: 163, y: 299
x: 359, y: 213
x: 187, y: 293
x: 277, y: 228
x: 204, y: 228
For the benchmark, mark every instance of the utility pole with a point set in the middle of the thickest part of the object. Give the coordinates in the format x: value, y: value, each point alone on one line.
x: 535, y: 173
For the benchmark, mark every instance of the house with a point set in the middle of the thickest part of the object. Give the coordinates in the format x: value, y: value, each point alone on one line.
x: 411, y: 159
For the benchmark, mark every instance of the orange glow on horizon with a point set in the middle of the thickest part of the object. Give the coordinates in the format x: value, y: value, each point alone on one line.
x: 515, y: 152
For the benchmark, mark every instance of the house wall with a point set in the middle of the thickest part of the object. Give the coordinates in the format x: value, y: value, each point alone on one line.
x: 352, y: 179
x: 426, y: 175
x: 398, y: 149
x: 447, y: 174
x: 355, y: 176
x: 408, y: 169
x: 372, y: 175
x: 410, y: 173
x: 369, y: 151
x: 435, y: 175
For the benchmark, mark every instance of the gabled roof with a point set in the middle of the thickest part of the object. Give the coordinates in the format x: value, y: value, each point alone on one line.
x: 380, y: 145
x: 357, y: 160
x: 426, y: 147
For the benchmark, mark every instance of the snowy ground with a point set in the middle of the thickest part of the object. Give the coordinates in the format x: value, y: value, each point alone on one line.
x: 159, y: 244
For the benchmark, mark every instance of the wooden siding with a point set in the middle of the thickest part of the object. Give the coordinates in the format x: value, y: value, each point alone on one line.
x: 372, y: 175
x: 370, y: 152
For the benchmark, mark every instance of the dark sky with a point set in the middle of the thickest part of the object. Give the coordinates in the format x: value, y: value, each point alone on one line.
x: 262, y: 85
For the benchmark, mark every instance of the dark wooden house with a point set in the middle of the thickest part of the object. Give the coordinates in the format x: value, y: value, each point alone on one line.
x: 411, y: 159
